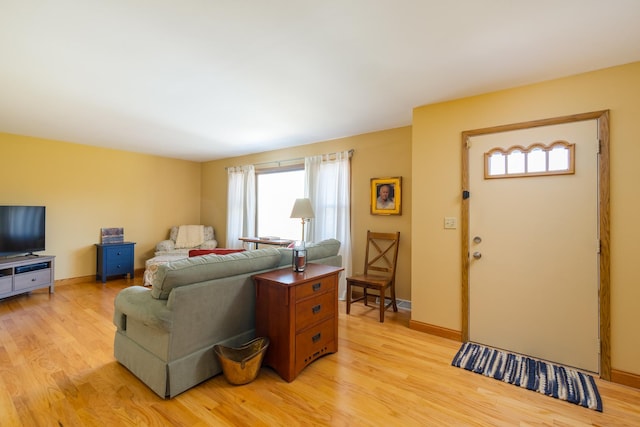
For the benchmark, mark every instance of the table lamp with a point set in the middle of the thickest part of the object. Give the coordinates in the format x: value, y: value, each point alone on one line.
x: 302, y: 209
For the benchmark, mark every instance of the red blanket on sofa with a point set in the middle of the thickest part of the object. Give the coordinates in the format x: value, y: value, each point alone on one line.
x: 198, y: 252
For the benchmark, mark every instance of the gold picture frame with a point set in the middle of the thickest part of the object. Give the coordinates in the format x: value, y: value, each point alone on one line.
x: 390, y: 201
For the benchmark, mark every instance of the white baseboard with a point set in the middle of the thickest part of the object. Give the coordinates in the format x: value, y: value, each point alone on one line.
x: 402, y: 303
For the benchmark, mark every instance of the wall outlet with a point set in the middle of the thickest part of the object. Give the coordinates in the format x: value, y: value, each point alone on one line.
x: 450, y: 222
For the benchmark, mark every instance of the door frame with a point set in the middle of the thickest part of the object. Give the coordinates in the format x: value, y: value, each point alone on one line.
x: 604, y: 296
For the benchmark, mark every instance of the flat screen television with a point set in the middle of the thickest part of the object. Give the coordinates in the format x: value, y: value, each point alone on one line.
x: 22, y: 230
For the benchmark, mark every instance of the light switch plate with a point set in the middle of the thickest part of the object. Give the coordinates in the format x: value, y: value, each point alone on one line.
x: 450, y: 222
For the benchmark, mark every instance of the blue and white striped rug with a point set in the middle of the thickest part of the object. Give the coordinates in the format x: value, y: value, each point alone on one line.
x: 544, y: 377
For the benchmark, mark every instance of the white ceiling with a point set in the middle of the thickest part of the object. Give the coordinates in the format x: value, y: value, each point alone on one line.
x: 209, y: 79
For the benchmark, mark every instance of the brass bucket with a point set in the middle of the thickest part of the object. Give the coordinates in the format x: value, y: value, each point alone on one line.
x: 241, y: 365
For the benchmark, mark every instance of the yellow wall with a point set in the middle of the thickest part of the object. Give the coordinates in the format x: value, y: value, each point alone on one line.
x: 378, y: 154
x: 436, y: 166
x: 86, y: 188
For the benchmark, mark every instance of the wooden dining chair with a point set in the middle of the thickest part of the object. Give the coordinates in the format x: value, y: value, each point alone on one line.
x: 379, y: 271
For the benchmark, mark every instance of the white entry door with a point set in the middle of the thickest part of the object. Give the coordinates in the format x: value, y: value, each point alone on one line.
x: 533, y: 282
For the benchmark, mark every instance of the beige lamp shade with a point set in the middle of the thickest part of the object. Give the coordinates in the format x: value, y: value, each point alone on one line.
x: 302, y: 209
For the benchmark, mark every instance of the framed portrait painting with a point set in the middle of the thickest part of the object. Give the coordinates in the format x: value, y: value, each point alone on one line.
x: 386, y: 196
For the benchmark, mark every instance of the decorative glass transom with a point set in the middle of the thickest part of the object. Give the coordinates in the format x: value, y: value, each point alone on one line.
x: 537, y: 159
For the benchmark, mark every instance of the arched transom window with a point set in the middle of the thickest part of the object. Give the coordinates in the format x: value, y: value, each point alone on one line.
x: 557, y: 158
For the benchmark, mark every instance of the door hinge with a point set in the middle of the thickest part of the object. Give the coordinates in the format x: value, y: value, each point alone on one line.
x: 599, y: 146
x: 599, y: 246
x: 467, y: 144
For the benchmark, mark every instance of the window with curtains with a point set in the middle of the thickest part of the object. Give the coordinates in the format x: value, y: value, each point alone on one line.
x: 260, y: 201
x: 276, y: 191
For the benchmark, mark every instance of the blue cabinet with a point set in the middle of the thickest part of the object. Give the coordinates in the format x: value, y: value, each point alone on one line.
x: 114, y: 259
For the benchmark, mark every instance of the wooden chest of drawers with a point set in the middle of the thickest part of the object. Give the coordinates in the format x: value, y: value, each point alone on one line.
x: 299, y: 314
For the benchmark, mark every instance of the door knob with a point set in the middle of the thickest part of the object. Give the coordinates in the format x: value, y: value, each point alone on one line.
x: 477, y: 255
x: 477, y: 239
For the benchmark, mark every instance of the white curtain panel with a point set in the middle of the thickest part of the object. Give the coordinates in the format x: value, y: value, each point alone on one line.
x: 327, y: 185
x: 241, y: 205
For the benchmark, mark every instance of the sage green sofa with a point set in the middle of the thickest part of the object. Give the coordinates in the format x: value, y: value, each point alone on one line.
x: 165, y: 334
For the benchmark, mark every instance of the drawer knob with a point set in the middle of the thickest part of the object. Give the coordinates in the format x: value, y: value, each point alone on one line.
x: 316, y: 308
x: 316, y: 287
x: 316, y: 337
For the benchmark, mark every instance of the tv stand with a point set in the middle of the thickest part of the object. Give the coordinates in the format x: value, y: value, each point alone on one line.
x: 23, y: 274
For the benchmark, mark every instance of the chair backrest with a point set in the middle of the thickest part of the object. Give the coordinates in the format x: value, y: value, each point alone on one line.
x: 382, y: 252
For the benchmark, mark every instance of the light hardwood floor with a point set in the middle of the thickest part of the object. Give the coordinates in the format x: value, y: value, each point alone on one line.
x: 57, y: 369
